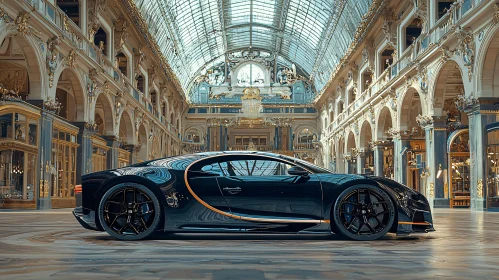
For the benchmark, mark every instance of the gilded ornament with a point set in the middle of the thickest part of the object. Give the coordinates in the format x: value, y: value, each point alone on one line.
x: 479, y: 189
x: 71, y: 59
x: 424, y: 121
x: 21, y: 23
x: 496, y: 13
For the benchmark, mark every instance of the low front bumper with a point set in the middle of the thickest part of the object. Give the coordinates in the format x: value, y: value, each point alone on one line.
x: 86, y: 218
x: 421, y: 222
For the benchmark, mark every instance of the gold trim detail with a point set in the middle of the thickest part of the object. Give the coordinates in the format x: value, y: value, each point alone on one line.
x: 236, y: 216
x: 415, y: 223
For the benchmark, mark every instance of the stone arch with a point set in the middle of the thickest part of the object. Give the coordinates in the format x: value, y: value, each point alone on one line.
x: 366, y: 135
x: 488, y: 65
x: 191, y: 133
x: 351, y: 142
x: 104, y: 115
x: 126, y: 129
x: 69, y: 84
x: 447, y: 87
x: 411, y: 106
x: 33, y: 52
x: 384, y: 122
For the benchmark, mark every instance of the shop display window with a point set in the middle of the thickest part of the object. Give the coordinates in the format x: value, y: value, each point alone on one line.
x: 123, y: 158
x: 63, y: 167
x: 458, y: 181
x: 99, y: 158
x: 17, y: 176
x: 493, y: 169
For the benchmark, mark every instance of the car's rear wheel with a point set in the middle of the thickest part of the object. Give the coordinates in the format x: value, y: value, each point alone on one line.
x: 363, y: 212
x: 129, y: 211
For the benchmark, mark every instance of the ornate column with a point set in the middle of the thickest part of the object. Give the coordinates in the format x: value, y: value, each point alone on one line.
x: 133, y: 152
x: 43, y: 200
x: 378, y: 160
x: 361, y: 161
x: 400, y: 156
x: 112, y: 154
x: 480, y: 113
x: 436, y: 159
x: 290, y: 138
x: 84, y: 151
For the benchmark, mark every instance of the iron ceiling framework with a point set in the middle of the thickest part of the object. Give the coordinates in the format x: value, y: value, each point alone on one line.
x: 313, y: 34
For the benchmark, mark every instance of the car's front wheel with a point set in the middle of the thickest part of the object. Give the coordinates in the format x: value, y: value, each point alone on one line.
x: 129, y: 211
x: 363, y: 212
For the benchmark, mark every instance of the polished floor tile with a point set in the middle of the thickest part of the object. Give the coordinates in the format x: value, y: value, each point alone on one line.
x: 51, y: 244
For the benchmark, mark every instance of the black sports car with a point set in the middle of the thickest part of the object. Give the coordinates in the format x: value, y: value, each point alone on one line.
x: 245, y: 192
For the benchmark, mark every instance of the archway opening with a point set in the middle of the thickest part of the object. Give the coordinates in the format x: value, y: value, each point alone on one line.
x: 413, y: 138
x: 100, y: 40
x: 352, y: 153
x: 104, y: 116
x: 385, y: 143
x: 386, y: 58
x: 443, y: 7
x: 141, y: 83
x: 412, y: 31
x: 367, y: 154
x: 69, y: 94
x: 122, y: 63
x: 71, y: 8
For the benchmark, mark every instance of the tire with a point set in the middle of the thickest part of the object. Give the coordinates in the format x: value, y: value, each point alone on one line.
x: 129, y: 211
x: 364, y: 219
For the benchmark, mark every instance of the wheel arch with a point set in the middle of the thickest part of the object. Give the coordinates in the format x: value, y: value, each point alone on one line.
x: 331, y: 202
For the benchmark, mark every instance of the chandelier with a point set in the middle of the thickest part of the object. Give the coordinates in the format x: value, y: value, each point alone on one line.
x: 251, y: 102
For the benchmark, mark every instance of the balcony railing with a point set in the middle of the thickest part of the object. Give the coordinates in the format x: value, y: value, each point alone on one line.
x: 262, y: 148
x: 304, y: 146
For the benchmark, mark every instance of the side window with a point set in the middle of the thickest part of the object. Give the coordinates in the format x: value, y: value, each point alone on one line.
x: 212, y: 169
x: 254, y: 168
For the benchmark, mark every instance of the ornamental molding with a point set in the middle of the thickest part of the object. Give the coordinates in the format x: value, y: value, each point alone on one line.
x: 52, y: 105
x: 479, y: 188
x: 52, y: 58
x: 139, y: 57
x: 71, y: 59
x: 394, y: 133
x: 464, y: 103
x: 424, y: 121
x: 121, y: 34
x: 466, y: 48
x: 95, y: 7
x: 422, y: 78
x: 495, y: 19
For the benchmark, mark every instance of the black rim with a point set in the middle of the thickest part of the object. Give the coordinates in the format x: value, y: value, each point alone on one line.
x: 364, y: 212
x: 129, y: 211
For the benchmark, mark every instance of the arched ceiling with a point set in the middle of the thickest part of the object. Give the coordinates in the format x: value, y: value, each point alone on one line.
x: 313, y: 34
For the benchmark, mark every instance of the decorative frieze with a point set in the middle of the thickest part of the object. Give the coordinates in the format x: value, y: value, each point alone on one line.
x: 479, y: 189
x: 394, y: 133
x: 71, y: 59
x: 52, y: 105
x: 464, y: 103
x: 52, y: 58
x: 466, y: 48
x: 424, y: 121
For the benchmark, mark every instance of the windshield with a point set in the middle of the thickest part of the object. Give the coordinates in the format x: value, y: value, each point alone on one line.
x: 308, y: 165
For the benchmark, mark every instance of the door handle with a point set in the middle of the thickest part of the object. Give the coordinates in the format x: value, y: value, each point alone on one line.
x: 232, y: 190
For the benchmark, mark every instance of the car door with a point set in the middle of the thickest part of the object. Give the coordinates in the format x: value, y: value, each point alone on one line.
x: 259, y: 188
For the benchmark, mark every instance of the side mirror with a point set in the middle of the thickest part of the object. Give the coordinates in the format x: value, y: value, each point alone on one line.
x: 298, y: 171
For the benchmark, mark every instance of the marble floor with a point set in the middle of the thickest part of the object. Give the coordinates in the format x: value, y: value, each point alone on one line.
x: 52, y: 245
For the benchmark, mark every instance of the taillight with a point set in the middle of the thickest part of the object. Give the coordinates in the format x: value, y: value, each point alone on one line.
x: 78, y: 189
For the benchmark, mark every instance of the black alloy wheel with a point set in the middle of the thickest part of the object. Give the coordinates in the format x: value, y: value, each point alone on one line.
x: 363, y: 212
x: 129, y: 211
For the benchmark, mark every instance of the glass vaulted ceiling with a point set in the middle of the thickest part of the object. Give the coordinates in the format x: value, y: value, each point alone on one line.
x: 313, y: 34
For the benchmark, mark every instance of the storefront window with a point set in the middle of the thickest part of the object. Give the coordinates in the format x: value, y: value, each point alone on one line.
x: 17, y: 177
x: 123, y: 158
x: 63, y: 176
x: 459, y: 169
x: 493, y: 169
x: 99, y: 159
x: 6, y: 126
